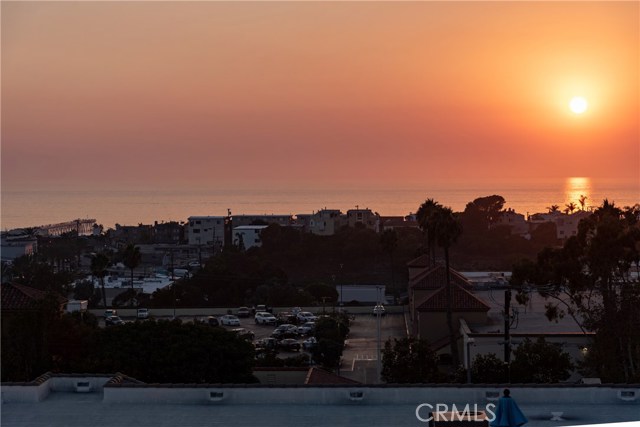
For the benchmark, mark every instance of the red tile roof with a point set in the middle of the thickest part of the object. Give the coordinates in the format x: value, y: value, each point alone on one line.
x: 320, y: 376
x: 436, y: 277
x: 20, y: 297
x: 462, y: 300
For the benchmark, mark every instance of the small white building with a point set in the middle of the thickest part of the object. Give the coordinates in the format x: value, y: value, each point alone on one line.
x: 326, y: 222
x: 248, y: 235
x: 364, y: 294
x: 206, y: 230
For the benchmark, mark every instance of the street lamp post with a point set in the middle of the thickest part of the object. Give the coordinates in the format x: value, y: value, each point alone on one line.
x: 470, y: 342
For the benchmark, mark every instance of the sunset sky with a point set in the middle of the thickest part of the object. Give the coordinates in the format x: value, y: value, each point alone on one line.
x: 168, y: 94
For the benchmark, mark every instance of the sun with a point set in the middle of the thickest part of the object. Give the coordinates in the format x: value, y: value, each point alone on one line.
x: 578, y: 104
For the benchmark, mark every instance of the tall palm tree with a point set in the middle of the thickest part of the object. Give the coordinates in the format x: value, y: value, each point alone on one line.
x: 389, y: 242
x: 583, y: 201
x: 99, y: 264
x: 553, y: 208
x: 131, y: 258
x: 447, y: 230
x: 425, y: 217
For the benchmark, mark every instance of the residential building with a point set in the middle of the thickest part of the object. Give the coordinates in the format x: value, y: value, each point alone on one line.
x: 363, y: 218
x: 282, y: 220
x: 566, y: 223
x: 248, y: 236
x: 516, y: 222
x: 326, y: 222
x: 207, y: 230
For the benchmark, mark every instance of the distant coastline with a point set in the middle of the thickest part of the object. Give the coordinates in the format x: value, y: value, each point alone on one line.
x: 131, y: 207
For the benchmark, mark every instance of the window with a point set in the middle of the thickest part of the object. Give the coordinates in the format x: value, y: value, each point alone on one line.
x: 198, y: 222
x: 196, y: 231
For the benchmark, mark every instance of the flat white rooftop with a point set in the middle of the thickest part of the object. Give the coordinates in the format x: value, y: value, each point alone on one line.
x: 54, y: 402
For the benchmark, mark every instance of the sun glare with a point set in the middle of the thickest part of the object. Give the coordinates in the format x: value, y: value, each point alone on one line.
x: 578, y: 104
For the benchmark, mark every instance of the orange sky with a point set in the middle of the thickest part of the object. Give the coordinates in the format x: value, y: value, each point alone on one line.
x: 165, y: 94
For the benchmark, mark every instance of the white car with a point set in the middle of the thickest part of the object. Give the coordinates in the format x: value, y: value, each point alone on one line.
x: 143, y: 313
x: 264, y: 318
x: 306, y: 316
x: 229, y: 320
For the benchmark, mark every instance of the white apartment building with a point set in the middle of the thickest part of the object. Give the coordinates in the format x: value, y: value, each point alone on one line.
x: 206, y: 230
x: 249, y: 235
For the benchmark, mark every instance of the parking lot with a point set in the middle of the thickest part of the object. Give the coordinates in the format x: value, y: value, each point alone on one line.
x: 359, y: 360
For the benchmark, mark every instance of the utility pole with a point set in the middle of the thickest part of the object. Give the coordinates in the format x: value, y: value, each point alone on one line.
x: 378, y: 314
x: 507, y: 337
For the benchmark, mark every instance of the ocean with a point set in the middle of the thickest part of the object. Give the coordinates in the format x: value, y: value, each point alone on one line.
x: 129, y: 207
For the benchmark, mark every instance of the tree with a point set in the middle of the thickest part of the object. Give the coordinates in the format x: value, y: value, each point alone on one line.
x: 553, y: 208
x: 131, y: 258
x: 589, y: 279
x: 447, y: 230
x: 487, y: 369
x: 570, y: 207
x: 540, y: 362
x: 99, y: 264
x: 425, y: 218
x: 481, y: 213
x: 409, y: 360
x: 389, y: 242
x: 583, y: 202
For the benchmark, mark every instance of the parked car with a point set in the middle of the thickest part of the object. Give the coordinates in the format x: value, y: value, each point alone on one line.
x: 264, y: 318
x: 212, y: 321
x: 306, y: 316
x: 285, y: 331
x: 110, y: 312
x: 266, y: 344
x: 286, y: 317
x: 143, y: 313
x: 229, y: 320
x: 379, y: 309
x: 289, y: 344
x: 113, y: 320
x: 244, y: 333
x: 307, y: 328
x: 244, y: 312
x: 309, y: 343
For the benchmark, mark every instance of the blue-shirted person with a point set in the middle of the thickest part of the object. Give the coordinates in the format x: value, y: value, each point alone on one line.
x: 508, y: 414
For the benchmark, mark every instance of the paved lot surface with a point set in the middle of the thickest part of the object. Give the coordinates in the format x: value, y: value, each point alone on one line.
x: 359, y: 359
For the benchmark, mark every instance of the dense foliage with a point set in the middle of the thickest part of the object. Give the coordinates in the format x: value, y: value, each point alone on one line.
x: 410, y: 360
x: 161, y: 352
x: 590, y: 279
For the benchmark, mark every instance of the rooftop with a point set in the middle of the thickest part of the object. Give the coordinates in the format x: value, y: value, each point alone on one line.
x: 55, y: 401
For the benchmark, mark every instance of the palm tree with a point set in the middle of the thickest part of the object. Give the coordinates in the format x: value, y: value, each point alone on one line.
x: 389, y: 242
x: 553, y: 208
x: 131, y: 258
x: 447, y: 230
x: 583, y: 201
x: 425, y: 217
x: 99, y: 264
x: 570, y: 207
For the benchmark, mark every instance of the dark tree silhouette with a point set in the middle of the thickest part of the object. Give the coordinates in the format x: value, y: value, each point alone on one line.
x: 131, y: 258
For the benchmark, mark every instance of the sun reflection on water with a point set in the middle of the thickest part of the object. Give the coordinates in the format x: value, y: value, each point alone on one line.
x: 577, y: 190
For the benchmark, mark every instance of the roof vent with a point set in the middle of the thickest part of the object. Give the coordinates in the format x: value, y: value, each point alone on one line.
x: 492, y: 396
x: 83, y: 386
x: 627, y: 395
x: 356, y: 395
x: 216, y: 396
